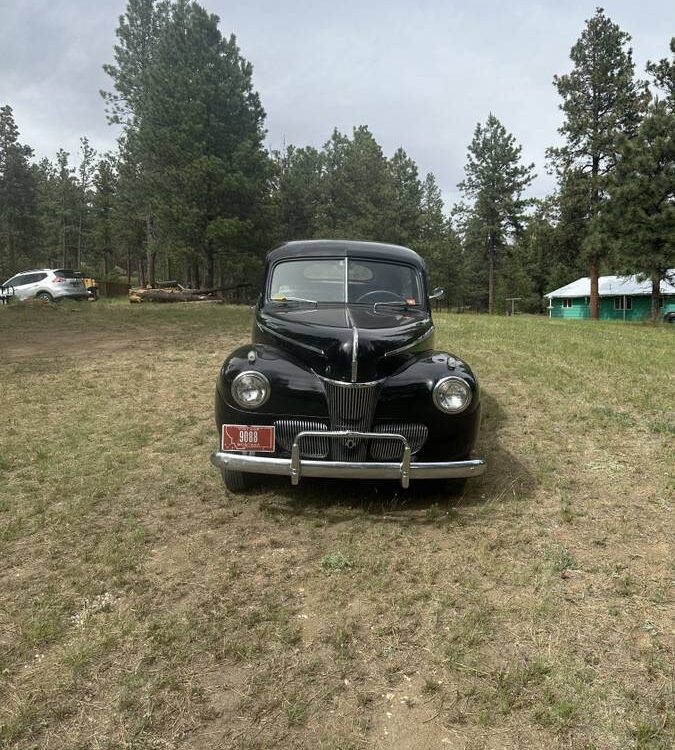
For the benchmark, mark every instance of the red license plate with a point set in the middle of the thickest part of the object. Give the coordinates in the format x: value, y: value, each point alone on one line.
x: 247, y: 437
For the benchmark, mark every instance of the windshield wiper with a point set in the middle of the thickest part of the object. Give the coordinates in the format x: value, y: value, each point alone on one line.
x: 392, y: 303
x: 296, y: 299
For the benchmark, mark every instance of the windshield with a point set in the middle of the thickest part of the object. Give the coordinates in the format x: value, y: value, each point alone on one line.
x: 366, y: 281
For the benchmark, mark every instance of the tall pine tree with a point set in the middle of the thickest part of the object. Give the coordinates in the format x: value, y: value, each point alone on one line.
x: 640, y: 211
x: 601, y: 101
x: 494, y: 184
x: 663, y: 73
x: 17, y: 196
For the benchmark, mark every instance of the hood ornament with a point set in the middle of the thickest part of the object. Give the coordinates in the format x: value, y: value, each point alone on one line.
x: 355, y: 345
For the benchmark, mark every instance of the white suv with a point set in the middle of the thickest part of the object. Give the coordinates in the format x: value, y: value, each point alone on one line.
x: 47, y: 284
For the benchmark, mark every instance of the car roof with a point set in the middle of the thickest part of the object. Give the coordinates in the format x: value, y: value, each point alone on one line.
x: 345, y: 249
x: 44, y: 270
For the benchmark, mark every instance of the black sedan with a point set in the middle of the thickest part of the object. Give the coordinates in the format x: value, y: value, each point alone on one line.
x: 341, y: 378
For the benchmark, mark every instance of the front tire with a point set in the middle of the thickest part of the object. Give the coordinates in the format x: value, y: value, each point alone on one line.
x: 237, y: 481
x: 44, y: 297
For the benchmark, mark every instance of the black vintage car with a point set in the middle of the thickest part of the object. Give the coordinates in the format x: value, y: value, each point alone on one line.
x: 341, y: 378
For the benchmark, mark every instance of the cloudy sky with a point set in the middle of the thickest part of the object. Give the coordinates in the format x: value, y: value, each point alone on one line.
x: 419, y: 74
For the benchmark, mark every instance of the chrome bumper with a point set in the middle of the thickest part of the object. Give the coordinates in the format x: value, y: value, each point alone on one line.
x: 295, y: 466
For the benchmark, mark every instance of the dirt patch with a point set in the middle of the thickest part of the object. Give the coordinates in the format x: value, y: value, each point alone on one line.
x: 143, y: 606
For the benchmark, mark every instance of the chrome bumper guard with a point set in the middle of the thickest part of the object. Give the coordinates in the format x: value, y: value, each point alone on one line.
x: 295, y: 467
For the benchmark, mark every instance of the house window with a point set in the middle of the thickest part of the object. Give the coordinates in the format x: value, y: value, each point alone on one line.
x: 619, y: 303
x: 567, y: 302
x: 661, y: 301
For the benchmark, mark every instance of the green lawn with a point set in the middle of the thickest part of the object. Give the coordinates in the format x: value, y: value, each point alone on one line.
x: 143, y: 607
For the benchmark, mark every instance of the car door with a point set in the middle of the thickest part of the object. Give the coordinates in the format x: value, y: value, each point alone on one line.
x: 22, y: 283
x: 40, y: 284
x: 29, y: 287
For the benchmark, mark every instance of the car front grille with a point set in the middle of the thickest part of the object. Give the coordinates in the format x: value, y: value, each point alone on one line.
x: 310, y: 447
x: 392, y: 450
x: 351, y: 406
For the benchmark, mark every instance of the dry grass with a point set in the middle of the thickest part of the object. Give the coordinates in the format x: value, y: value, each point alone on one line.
x: 142, y: 607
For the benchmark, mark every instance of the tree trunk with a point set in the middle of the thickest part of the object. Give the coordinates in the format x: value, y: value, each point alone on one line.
x: 128, y: 266
x: 656, y: 296
x: 106, y: 261
x: 79, y: 244
x: 11, y: 249
x: 151, y: 248
x: 64, y: 255
x: 195, y: 273
x: 595, y: 297
x: 210, y: 265
x: 491, y: 280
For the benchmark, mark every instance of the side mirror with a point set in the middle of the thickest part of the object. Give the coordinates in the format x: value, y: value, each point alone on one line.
x: 438, y: 293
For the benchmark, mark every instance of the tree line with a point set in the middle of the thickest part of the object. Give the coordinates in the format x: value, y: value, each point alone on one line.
x: 191, y: 192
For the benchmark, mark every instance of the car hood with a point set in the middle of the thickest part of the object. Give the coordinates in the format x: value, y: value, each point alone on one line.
x: 346, y: 342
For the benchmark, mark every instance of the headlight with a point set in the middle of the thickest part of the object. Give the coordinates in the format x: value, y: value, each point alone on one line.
x: 452, y: 395
x: 251, y: 389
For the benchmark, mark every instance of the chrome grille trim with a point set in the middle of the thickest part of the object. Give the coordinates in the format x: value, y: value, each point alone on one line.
x: 286, y: 431
x: 387, y: 450
x: 351, y: 406
x: 355, y: 345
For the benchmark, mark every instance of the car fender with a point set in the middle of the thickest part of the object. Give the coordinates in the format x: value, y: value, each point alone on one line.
x: 295, y: 388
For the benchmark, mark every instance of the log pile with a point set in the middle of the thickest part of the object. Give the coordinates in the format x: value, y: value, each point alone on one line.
x: 177, y: 294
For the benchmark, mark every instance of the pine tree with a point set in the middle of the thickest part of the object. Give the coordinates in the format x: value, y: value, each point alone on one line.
x: 17, y: 196
x: 494, y: 183
x: 640, y: 212
x: 103, y: 201
x: 663, y: 73
x: 403, y: 200
x: 356, y: 187
x: 137, y: 35
x: 437, y: 243
x: 85, y: 175
x: 542, y: 252
x: 601, y: 100
x: 298, y: 192
x: 193, y: 136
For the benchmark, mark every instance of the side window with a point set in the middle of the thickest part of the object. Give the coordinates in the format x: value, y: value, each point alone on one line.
x: 567, y: 302
x: 40, y: 276
x: 619, y: 303
x: 22, y: 280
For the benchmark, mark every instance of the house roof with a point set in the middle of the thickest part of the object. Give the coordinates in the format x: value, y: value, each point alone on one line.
x: 613, y: 286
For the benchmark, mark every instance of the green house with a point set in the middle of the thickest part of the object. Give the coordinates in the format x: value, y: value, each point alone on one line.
x: 621, y: 298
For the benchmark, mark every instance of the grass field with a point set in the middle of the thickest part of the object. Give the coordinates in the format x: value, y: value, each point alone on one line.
x: 143, y: 607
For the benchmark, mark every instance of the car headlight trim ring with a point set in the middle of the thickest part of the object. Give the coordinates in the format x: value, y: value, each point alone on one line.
x: 452, y: 395
x: 251, y: 389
